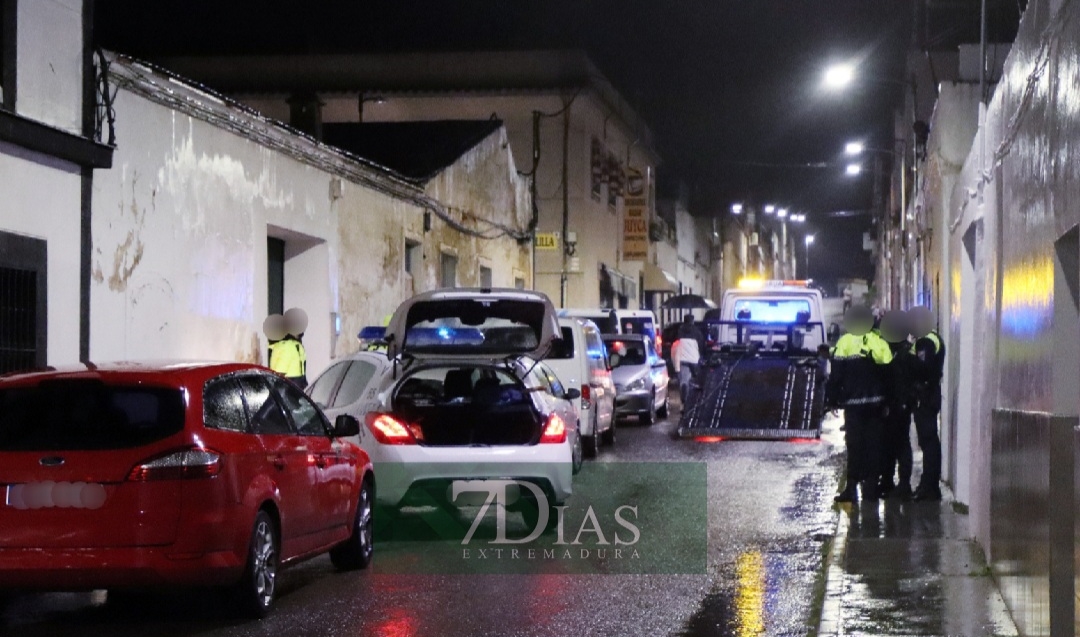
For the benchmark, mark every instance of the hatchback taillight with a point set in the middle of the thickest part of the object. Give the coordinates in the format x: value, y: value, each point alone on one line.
x: 182, y: 464
x: 389, y: 430
x: 554, y: 430
x: 586, y: 396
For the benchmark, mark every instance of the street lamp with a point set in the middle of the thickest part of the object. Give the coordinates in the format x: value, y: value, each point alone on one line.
x: 782, y: 212
x: 838, y: 76
x: 809, y: 240
x: 853, y: 148
x: 736, y: 208
x: 769, y: 209
x: 853, y: 169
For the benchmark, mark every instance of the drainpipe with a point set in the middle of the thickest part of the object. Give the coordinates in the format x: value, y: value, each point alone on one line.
x: 86, y: 180
x: 565, y: 203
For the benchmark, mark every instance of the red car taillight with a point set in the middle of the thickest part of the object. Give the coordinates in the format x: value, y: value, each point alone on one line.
x: 659, y: 345
x: 183, y: 464
x: 586, y: 396
x: 554, y: 430
x: 389, y: 430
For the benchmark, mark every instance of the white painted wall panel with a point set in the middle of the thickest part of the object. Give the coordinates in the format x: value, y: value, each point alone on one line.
x: 49, y: 57
x: 41, y: 199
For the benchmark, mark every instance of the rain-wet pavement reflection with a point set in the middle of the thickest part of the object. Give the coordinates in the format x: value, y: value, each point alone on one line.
x: 769, y: 512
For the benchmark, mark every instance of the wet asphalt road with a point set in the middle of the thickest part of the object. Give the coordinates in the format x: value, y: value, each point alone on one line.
x: 769, y: 511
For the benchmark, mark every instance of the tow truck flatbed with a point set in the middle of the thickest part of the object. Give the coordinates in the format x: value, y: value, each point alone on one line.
x: 758, y: 389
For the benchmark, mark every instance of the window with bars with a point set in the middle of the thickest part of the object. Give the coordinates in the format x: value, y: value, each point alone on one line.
x: 22, y: 303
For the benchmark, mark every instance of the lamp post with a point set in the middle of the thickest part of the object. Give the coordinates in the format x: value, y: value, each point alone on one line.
x: 809, y: 241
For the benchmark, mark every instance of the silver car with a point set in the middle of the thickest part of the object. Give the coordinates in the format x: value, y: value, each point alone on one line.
x: 640, y: 376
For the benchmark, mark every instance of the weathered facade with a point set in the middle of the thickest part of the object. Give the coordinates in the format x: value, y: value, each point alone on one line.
x: 592, y: 150
x: 999, y: 192
x: 213, y: 212
x: 48, y: 157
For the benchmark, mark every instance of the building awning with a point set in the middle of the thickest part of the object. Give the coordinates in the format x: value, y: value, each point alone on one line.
x: 656, y: 279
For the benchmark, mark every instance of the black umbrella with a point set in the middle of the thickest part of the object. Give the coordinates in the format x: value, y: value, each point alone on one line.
x: 688, y: 302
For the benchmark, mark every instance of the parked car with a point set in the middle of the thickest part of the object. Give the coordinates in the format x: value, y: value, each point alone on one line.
x: 185, y: 474
x: 620, y: 321
x: 641, y: 377
x: 580, y: 359
x: 461, y: 394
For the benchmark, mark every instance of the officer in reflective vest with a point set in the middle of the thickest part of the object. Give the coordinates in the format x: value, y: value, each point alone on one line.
x: 858, y: 384
x: 287, y: 354
x: 929, y: 350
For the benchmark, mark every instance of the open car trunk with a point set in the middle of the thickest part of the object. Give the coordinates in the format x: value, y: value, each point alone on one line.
x: 467, y: 406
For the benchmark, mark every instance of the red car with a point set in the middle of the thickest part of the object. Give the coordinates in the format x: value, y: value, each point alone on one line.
x: 137, y: 475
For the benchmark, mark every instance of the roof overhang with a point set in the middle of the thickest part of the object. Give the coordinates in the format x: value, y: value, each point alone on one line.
x: 657, y: 279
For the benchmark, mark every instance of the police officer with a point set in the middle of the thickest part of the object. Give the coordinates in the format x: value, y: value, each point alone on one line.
x: 896, y: 440
x: 857, y: 383
x: 929, y: 351
x: 287, y: 354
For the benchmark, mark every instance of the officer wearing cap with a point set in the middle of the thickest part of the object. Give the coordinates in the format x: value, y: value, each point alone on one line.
x: 858, y: 384
x: 929, y: 351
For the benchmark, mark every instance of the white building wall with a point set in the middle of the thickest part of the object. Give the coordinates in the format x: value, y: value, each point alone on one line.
x: 180, y: 231
x: 41, y: 200
x: 49, y: 57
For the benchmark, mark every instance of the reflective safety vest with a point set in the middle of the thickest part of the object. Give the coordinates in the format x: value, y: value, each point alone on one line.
x: 859, y: 370
x: 288, y: 358
x: 869, y: 345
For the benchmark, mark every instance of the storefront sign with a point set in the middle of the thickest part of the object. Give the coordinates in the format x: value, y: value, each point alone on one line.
x: 636, y: 216
x: 547, y: 241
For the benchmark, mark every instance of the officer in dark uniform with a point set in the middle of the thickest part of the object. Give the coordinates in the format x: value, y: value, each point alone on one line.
x: 858, y: 384
x: 896, y: 440
x: 929, y: 351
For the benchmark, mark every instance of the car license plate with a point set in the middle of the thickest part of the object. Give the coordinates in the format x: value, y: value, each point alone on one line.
x: 49, y: 495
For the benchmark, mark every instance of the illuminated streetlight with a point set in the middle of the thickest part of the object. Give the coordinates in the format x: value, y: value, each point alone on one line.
x: 853, y: 148
x: 799, y: 218
x: 809, y: 241
x: 838, y: 76
x: 769, y: 209
x: 853, y: 169
x: 736, y: 208
x: 781, y: 213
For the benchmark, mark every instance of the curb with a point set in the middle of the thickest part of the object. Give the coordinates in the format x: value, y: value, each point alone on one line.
x: 831, y: 620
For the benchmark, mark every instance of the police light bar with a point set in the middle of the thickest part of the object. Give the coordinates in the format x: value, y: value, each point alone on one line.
x: 757, y: 284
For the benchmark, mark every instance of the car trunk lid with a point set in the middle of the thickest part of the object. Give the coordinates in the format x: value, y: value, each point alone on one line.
x: 473, y: 324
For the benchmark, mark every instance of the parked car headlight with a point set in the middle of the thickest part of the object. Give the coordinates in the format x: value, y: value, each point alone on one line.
x: 636, y: 385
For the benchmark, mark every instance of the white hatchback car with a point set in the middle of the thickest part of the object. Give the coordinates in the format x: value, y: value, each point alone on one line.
x: 461, y: 394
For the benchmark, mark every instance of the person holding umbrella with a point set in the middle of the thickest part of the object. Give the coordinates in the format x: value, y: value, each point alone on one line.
x: 686, y: 355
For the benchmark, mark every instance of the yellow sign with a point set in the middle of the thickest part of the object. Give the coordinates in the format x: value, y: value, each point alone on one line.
x: 636, y: 216
x: 547, y: 241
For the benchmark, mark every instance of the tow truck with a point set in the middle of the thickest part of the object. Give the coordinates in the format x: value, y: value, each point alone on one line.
x: 764, y: 376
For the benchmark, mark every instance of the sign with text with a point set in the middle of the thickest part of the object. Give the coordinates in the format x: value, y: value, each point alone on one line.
x: 636, y: 216
x: 547, y: 241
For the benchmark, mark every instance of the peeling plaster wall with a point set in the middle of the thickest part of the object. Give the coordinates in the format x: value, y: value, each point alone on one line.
x: 180, y: 231
x: 179, y: 240
x: 482, y: 186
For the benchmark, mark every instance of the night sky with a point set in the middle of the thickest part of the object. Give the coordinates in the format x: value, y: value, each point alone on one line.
x: 732, y: 88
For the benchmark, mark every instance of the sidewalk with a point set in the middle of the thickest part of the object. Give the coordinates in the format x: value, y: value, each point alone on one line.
x: 909, y: 568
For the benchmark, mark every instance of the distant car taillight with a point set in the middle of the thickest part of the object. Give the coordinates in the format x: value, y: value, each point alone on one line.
x: 586, y: 396
x: 182, y: 464
x: 389, y: 430
x: 554, y: 430
x: 660, y: 345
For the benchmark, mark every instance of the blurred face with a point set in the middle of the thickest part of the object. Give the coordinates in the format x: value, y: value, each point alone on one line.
x: 922, y: 322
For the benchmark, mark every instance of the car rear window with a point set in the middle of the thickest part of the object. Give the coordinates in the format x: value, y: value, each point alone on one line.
x: 76, y: 415
x: 563, y: 349
x: 638, y: 325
